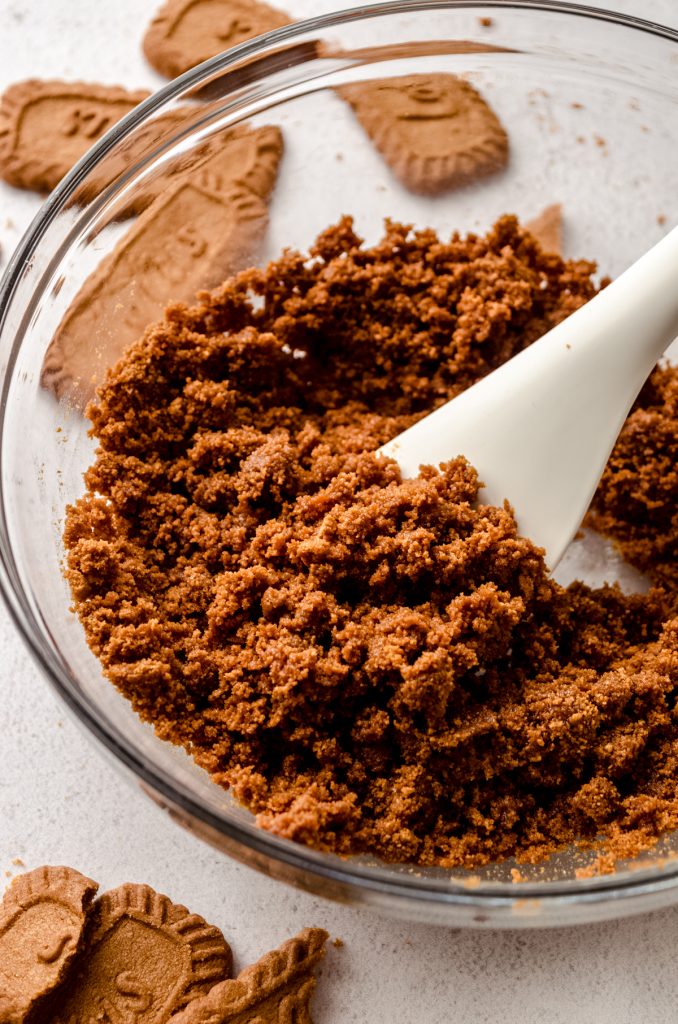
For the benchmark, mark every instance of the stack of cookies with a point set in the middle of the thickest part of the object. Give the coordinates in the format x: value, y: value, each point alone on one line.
x: 133, y: 955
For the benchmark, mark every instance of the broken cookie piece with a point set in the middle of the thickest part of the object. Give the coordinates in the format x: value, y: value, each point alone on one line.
x: 45, y: 127
x: 276, y: 989
x: 186, y: 32
x: 42, y: 921
x: 436, y: 132
x: 145, y: 958
x: 547, y: 228
x: 135, y: 956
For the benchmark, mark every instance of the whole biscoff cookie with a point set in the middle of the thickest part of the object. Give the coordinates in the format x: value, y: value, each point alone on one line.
x: 186, y: 32
x: 45, y: 127
x: 190, y: 238
x: 547, y: 228
x: 42, y: 920
x: 145, y: 958
x: 274, y: 990
x: 436, y: 131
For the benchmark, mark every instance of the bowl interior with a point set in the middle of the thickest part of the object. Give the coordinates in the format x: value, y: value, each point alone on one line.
x: 590, y: 104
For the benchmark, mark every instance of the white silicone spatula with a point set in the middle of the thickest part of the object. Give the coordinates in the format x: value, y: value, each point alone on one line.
x: 540, y: 429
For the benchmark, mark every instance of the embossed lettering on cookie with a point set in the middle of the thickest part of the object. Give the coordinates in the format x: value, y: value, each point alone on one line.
x: 45, y: 127
x: 144, y: 959
x: 435, y: 132
x: 42, y: 923
x: 186, y: 32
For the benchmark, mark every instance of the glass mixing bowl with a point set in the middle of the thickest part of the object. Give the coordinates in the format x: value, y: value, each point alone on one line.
x: 590, y: 102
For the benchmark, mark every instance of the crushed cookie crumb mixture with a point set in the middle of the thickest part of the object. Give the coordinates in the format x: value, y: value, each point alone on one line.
x: 370, y: 664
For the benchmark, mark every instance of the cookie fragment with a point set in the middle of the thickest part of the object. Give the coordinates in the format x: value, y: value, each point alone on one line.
x: 186, y: 32
x: 145, y: 958
x: 436, y: 132
x: 243, y: 155
x: 142, y: 141
x: 274, y: 990
x: 547, y: 228
x: 42, y: 920
x: 45, y: 127
x: 189, y: 239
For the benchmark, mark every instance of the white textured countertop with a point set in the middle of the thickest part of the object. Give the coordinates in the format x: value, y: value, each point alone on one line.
x: 61, y: 803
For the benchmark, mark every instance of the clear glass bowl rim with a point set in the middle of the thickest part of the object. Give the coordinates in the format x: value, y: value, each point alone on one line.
x: 348, y: 874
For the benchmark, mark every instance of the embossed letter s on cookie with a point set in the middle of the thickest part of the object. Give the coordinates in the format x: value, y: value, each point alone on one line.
x: 42, y: 920
x: 146, y: 958
x: 436, y: 131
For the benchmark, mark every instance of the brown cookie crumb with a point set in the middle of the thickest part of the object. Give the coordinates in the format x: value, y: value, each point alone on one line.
x: 435, y: 132
x: 276, y: 988
x: 145, y: 956
x: 637, y: 501
x: 46, y: 126
x: 42, y: 921
x: 186, y: 32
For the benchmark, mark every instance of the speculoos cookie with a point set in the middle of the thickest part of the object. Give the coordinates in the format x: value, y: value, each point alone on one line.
x: 435, y: 131
x: 42, y: 923
x: 145, y: 958
x: 186, y: 32
x: 274, y: 990
x: 46, y: 126
x: 135, y: 955
x: 547, y: 228
x: 188, y: 238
